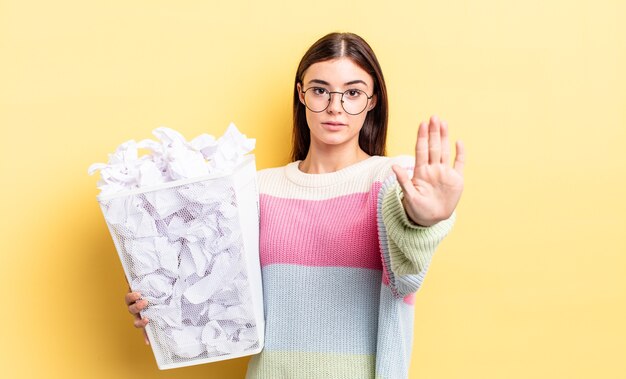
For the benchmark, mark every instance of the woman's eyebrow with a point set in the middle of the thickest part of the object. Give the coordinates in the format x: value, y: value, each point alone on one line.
x: 356, y: 82
x: 319, y: 81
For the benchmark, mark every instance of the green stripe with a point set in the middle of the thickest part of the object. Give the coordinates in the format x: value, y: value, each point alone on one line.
x: 411, y: 246
x: 310, y: 365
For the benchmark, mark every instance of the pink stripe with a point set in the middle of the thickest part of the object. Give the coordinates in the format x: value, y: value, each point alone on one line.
x: 410, y: 298
x: 341, y: 231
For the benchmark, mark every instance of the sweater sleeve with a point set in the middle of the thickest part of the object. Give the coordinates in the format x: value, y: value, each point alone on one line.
x: 406, y: 247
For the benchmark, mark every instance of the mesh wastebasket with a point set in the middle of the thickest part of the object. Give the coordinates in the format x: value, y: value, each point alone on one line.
x: 191, y: 248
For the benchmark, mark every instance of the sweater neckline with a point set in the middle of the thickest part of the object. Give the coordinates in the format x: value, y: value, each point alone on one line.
x: 327, y: 179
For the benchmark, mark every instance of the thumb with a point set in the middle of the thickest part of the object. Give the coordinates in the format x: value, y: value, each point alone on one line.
x: 403, y: 179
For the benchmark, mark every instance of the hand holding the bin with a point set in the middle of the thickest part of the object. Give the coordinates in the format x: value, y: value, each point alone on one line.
x: 135, y: 305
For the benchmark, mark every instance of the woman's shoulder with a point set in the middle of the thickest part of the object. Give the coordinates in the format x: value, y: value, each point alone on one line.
x: 398, y: 159
x: 402, y: 160
x: 271, y: 174
x: 270, y: 171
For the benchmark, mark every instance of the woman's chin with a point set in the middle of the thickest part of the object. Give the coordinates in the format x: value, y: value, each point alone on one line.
x: 336, y: 140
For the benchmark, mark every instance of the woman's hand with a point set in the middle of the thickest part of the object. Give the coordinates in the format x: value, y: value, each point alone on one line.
x: 435, y: 189
x: 135, y: 305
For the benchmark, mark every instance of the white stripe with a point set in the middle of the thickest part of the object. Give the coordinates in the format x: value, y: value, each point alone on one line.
x: 288, y: 182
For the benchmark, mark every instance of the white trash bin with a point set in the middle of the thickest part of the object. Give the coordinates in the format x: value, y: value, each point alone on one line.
x: 191, y: 247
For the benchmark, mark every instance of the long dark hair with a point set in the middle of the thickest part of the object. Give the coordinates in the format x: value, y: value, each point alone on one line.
x: 373, y: 135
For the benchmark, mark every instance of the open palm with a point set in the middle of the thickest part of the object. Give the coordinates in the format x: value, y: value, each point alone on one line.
x: 434, y: 191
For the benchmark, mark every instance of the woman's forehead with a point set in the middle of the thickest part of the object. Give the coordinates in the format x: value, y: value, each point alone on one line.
x: 337, y: 72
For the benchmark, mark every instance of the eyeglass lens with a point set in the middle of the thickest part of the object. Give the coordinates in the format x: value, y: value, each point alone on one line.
x: 353, y: 101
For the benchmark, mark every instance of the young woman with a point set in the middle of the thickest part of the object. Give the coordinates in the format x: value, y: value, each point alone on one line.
x: 346, y: 234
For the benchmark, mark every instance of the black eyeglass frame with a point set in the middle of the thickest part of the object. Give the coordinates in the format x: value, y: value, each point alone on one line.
x: 330, y: 99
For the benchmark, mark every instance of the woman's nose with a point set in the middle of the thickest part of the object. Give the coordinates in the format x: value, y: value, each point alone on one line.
x: 336, y: 99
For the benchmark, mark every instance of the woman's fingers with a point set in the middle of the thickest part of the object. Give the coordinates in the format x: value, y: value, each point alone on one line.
x: 432, y: 145
x: 421, y: 146
x: 459, y: 161
x: 140, y: 322
x: 137, y: 306
x: 445, y: 148
x: 135, y: 302
x: 131, y: 297
x: 403, y: 178
x: 434, y: 140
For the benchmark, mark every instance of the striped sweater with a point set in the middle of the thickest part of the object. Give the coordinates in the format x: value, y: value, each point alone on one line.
x: 341, y: 263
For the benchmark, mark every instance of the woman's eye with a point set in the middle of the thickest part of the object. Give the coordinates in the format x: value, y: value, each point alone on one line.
x: 319, y: 91
x: 353, y: 93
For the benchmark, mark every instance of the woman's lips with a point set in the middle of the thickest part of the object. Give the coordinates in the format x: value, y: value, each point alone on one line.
x: 331, y: 125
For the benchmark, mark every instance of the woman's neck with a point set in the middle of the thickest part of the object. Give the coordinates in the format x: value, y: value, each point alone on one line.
x: 322, y: 161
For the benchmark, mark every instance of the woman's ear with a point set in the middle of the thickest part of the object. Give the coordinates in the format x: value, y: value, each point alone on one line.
x: 300, y: 94
x: 372, y: 103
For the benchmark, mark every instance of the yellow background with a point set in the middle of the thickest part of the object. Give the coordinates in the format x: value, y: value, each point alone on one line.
x: 531, y: 283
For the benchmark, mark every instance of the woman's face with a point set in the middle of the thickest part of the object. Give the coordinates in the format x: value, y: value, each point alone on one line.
x: 334, y: 126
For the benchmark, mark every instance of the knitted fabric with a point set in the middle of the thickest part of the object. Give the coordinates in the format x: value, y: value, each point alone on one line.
x: 341, y: 263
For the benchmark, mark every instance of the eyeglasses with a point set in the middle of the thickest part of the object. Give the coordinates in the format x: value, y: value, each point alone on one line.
x: 353, y: 101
